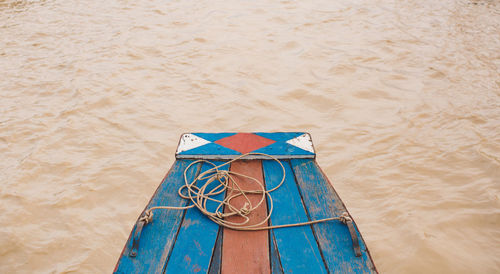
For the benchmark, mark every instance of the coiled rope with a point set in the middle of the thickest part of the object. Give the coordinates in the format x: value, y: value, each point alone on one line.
x: 200, y: 195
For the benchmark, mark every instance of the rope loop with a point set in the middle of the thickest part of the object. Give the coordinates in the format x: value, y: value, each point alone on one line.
x: 344, y: 218
x: 200, y: 195
x: 222, y: 175
x: 245, y: 210
x: 147, y: 217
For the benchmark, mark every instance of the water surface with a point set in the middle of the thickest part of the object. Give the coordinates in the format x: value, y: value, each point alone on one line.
x: 402, y: 99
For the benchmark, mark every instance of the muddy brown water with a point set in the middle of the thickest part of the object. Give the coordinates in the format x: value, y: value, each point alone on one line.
x: 402, y: 99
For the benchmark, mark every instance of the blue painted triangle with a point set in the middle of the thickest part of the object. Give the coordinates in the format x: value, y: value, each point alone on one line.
x: 210, y: 149
x: 279, y: 136
x: 213, y: 136
x: 283, y: 148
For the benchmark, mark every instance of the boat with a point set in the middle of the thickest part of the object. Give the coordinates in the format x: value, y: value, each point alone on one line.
x: 245, y: 203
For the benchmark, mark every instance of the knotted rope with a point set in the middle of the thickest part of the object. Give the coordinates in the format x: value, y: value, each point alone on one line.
x: 200, y: 195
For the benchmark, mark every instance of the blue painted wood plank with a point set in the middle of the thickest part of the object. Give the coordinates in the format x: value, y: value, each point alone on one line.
x: 322, y: 201
x: 276, y: 267
x: 297, y: 246
x: 215, y: 264
x: 158, y: 237
x: 193, y: 249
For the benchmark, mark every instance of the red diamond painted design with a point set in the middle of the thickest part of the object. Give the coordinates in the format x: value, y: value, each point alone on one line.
x: 244, y: 142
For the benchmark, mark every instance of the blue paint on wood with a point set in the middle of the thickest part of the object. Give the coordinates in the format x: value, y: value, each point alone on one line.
x: 279, y: 148
x: 283, y: 148
x: 215, y: 264
x: 210, y: 149
x: 158, y: 237
x: 195, y: 243
x: 279, y: 136
x: 334, y: 239
x: 297, y: 246
x: 276, y: 136
x: 214, y: 136
x: 276, y: 267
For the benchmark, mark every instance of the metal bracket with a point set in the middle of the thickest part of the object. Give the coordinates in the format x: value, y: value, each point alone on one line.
x: 137, y: 237
x: 354, y: 237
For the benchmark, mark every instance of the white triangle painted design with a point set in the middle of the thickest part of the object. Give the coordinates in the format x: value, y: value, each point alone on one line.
x: 303, y: 141
x: 190, y: 141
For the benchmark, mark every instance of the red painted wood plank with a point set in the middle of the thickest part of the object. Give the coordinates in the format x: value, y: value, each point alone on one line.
x: 247, y: 251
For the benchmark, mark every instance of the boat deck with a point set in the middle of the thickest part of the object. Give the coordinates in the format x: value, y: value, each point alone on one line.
x: 186, y: 241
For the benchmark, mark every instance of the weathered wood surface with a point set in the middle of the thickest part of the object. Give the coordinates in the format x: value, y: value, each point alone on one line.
x: 288, y: 209
x: 158, y: 237
x: 216, y: 146
x: 244, y: 142
x: 246, y: 251
x: 215, y: 264
x: 186, y: 241
x: 276, y: 267
x: 334, y: 238
x: 194, y: 246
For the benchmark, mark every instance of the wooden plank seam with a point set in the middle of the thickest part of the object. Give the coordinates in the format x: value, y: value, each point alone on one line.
x: 309, y: 218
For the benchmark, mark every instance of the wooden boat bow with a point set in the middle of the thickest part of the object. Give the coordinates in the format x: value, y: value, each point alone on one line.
x: 188, y: 240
